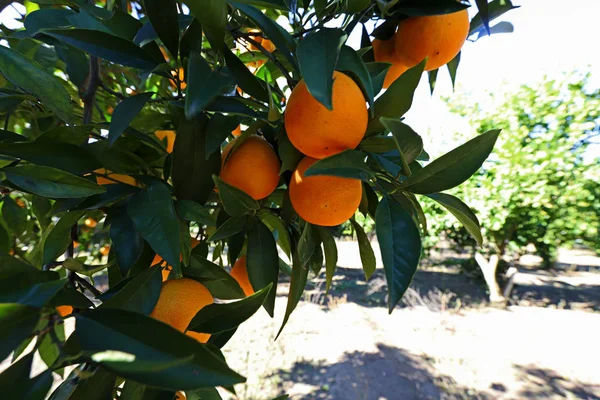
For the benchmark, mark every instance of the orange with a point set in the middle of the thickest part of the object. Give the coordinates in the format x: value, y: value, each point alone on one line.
x: 323, y: 200
x: 64, y: 310
x: 20, y: 203
x: 253, y: 167
x: 319, y: 132
x: 438, y: 37
x: 240, y: 274
x: 385, y: 51
x: 181, y: 75
x: 167, y: 268
x: 170, y: 135
x: 237, y: 131
x: 104, y: 250
x: 180, y: 396
x: 179, y: 301
x: 90, y: 223
x: 114, y: 178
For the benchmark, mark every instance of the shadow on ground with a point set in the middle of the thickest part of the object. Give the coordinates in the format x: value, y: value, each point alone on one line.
x: 389, y: 374
x: 542, y: 383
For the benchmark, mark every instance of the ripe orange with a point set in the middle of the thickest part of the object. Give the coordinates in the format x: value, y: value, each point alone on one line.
x: 114, y: 178
x: 178, y: 303
x: 439, y: 37
x: 167, y: 268
x: 237, y: 131
x: 181, y: 75
x: 319, y: 132
x: 385, y: 51
x: 20, y: 203
x: 180, y: 396
x: 240, y: 274
x: 104, y: 250
x: 323, y: 200
x: 64, y: 310
x: 90, y: 223
x: 253, y: 167
x: 170, y: 135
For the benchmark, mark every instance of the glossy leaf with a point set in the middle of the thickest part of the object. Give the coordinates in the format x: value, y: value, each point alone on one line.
x: 154, y: 217
x: 50, y: 182
x: 32, y: 78
x: 104, y: 45
x: 297, y: 285
x: 189, y: 210
x: 462, y: 212
x: 140, y: 294
x: 454, y: 167
x: 127, y: 243
x: 16, y: 384
x: 16, y: 323
x: 99, y: 386
x: 15, y: 217
x: 262, y: 261
x: 367, y: 256
x: 277, y: 226
x: 212, y: 14
x: 204, y: 85
x: 228, y: 228
x: 216, y: 279
x: 400, y: 245
x: 165, y: 358
x: 331, y: 254
x: 235, y: 202
x: 246, y: 80
x: 216, y: 318
x: 59, y: 238
x: 306, y: 245
x: 347, y: 164
x: 408, y: 142
x: 318, y: 55
x: 124, y: 113
x: 349, y: 61
x: 163, y: 16
x: 495, y: 9
x: 377, y: 71
x: 218, y: 129
x: 37, y: 295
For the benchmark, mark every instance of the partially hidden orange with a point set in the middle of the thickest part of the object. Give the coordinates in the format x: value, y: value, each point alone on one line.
x: 239, y: 272
x: 385, y: 51
x: 170, y: 138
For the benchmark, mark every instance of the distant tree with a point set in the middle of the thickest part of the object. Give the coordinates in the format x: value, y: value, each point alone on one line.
x: 540, y: 186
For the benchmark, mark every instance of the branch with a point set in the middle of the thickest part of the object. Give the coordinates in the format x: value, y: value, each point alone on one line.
x: 89, y: 96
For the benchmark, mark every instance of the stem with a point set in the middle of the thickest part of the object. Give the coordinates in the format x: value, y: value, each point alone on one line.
x: 6, y: 121
x: 89, y: 97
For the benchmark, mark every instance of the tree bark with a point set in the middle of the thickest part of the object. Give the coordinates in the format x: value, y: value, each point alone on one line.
x: 489, y: 267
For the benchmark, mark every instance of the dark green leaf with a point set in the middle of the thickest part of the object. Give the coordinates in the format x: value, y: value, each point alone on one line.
x: 377, y: 71
x: 216, y: 318
x: 318, y: 55
x: 289, y: 155
x: 59, y: 237
x: 140, y: 294
x: 216, y: 279
x: 432, y: 77
x: 262, y: 261
x: 400, y: 245
x: 50, y: 182
x: 189, y: 210
x: 37, y: 295
x: 500, y: 27
x: 453, y: 67
x: 408, y: 142
x: 297, y: 285
x: 154, y: 217
x: 235, y: 201
x: 163, y: 16
x: 14, y: 216
x: 78, y: 266
x: 16, y: 323
x: 125, y: 112
x: 397, y: 99
x: 277, y: 226
x: 306, y: 245
x: 127, y: 243
x: 153, y: 353
x: 99, y: 386
x: 192, y: 171
x: 204, y: 85
x: 16, y: 384
x: 104, y: 45
x: 47, y: 18
x: 75, y: 135
x: 331, y: 254
x: 228, y: 228
x: 70, y: 297
x: 212, y: 14
x: 378, y: 144
x: 350, y: 61
x: 462, y: 212
x: 367, y: 256
x: 494, y: 9
x: 245, y: 79
x: 234, y: 106
x: 347, y: 164
x: 48, y: 350
x: 33, y: 79
x: 453, y: 168
x: 191, y: 40
x: 219, y: 128
x: 482, y: 6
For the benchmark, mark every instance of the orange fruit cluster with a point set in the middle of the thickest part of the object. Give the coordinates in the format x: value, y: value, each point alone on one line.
x: 438, y: 38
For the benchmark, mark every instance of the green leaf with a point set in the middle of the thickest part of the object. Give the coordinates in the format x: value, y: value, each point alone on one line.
x: 59, y: 237
x: 246, y: 80
x: 16, y: 384
x: 216, y: 318
x: 50, y: 182
x: 462, y: 212
x: 204, y: 85
x: 262, y: 261
x: 33, y: 79
x: 76, y: 265
x: 104, y: 45
x: 160, y: 355
x: 192, y: 171
x: 453, y: 168
x: 127, y: 243
x: 453, y: 67
x: 212, y: 14
x: 67, y: 296
x: 64, y: 156
x: 318, y: 55
x: 397, y: 99
x: 163, y: 16
x: 14, y: 216
x: 140, y: 294
x: 306, y: 245
x: 235, y: 201
x: 48, y: 350
x: 125, y: 112
x: 37, y: 295
x: 154, y: 217
x: 189, y: 210
x: 408, y: 142
x: 216, y: 279
x: 400, y: 245
x: 191, y: 40
x: 228, y: 228
x: 297, y: 285
x: 16, y: 323
x: 349, y: 61
x: 347, y: 164
x: 219, y: 128
x: 331, y: 254
x: 289, y: 155
x: 282, y: 40
x: 99, y: 386
x: 277, y: 226
x: 494, y: 9
x: 367, y: 256
x: 377, y: 71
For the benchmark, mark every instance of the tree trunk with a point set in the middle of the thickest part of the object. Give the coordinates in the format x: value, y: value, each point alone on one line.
x: 489, y: 274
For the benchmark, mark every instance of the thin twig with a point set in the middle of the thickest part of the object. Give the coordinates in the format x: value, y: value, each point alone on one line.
x: 89, y: 96
x: 6, y: 121
x: 87, y: 285
x: 110, y: 91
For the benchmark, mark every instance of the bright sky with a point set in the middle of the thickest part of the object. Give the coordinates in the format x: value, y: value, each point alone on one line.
x: 550, y: 37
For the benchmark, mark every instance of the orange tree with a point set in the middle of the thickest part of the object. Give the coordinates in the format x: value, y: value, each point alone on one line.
x: 118, y: 159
